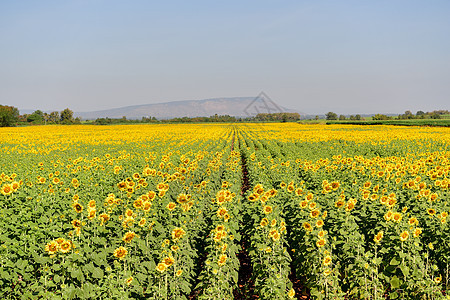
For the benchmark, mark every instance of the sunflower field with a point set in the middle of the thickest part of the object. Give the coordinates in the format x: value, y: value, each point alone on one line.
x: 224, y: 211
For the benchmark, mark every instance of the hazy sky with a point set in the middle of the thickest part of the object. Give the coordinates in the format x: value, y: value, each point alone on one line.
x: 315, y: 56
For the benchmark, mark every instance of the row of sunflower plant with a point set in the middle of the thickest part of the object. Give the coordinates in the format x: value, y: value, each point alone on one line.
x: 363, y: 226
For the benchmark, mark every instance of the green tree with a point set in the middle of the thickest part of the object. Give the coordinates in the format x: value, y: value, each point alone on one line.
x: 9, y: 115
x: 66, y: 116
x: 358, y: 117
x: 54, y: 117
x: 331, y: 116
x: 37, y: 116
x: 341, y: 117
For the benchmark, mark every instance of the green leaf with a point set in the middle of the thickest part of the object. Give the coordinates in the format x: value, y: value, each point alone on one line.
x: 405, y: 270
x: 394, y: 262
x: 395, y: 282
x: 97, y: 273
x: 393, y: 295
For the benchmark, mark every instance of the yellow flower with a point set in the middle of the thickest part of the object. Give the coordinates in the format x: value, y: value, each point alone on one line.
x: 78, y: 207
x: 307, y: 226
x: 264, y: 222
x: 128, y: 237
x: 161, y: 267
x: 168, y: 261
x: 327, y: 260
x: 222, y: 259
x: 319, y: 223
x: 320, y: 243
x: 314, y: 213
x: 171, y: 206
x: 178, y: 233
x: 413, y: 221
x: 396, y: 217
x: 417, y: 232
x: 291, y: 294
x: 65, y: 246
x: 52, y: 247
x: 120, y: 252
x: 404, y: 236
x: 268, y: 209
x: 378, y: 237
x: 129, y: 280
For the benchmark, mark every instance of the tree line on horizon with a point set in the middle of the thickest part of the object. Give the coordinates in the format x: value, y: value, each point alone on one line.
x: 10, y: 116
x: 408, y: 115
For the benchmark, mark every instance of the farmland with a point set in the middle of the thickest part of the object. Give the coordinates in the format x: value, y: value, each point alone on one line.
x: 173, y: 211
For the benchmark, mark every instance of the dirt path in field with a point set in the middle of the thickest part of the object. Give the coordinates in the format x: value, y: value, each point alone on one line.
x: 246, y: 286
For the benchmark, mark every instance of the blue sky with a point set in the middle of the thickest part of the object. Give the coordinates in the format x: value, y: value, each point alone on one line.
x: 314, y: 56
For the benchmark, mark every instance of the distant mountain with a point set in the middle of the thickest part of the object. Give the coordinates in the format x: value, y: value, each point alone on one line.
x: 239, y: 107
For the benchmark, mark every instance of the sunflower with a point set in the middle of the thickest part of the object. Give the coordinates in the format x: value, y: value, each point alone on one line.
x: 307, y: 226
x: 273, y: 223
x: 129, y: 213
x: 404, y: 236
x: 177, y: 233
x: 340, y: 203
x: 321, y: 234
x: 299, y: 192
x: 7, y: 189
x: 264, y: 222
x: 120, y: 252
x: 222, y: 259
x: 182, y: 198
x: 221, y: 212
x: 65, y: 246
x: 171, y: 206
x: 378, y: 237
x: 138, y: 203
x: 303, y: 204
x: 91, y: 213
x: 168, y: 261
x: 178, y: 273
x: 327, y: 260
x: 103, y: 218
x: 350, y: 205
x: 129, y: 280
x: 413, y: 221
x: 91, y: 204
x: 396, y: 217
x: 76, y: 223
x: 252, y: 197
x: 320, y: 243
x: 128, y: 237
x: 417, y: 232
x: 161, y: 267
x: 258, y: 189
x: 335, y: 185
x: 220, y: 227
x: 268, y: 209
x: 290, y: 188
x: 431, y: 211
x: 314, y: 213
x: 291, y: 293
x: 142, y: 222
x: 52, y: 247
x: 78, y: 207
